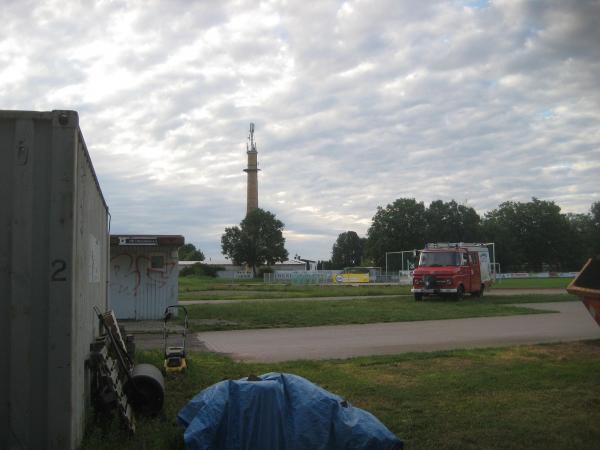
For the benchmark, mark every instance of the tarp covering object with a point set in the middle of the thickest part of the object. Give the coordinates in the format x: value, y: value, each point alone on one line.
x: 279, y: 411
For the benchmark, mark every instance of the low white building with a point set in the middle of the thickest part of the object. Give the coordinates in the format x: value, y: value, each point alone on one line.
x: 231, y: 270
x: 143, y: 275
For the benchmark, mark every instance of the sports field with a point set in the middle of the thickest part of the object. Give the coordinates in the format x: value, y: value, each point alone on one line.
x: 534, y: 396
x: 206, y: 288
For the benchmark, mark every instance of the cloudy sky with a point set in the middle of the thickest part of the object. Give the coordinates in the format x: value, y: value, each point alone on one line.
x: 356, y: 103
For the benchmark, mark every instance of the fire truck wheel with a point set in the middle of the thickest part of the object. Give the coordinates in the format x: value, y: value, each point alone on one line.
x: 418, y: 297
x: 460, y: 293
x: 478, y: 293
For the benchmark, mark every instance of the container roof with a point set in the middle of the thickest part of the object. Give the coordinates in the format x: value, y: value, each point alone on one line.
x: 147, y: 240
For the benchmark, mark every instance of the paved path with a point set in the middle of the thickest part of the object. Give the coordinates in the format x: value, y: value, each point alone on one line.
x: 496, y: 291
x: 571, y: 323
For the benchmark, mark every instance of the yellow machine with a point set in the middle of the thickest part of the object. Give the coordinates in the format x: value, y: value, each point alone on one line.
x: 175, y: 356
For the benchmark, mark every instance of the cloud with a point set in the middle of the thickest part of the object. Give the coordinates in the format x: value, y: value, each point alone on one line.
x: 355, y: 103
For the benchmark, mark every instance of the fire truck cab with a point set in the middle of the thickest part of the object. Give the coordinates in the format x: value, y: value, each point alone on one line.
x: 452, y: 269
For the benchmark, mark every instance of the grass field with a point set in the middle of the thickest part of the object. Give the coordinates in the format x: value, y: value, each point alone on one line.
x: 534, y: 397
x: 545, y: 396
x: 205, y: 288
x: 199, y: 288
x: 282, y: 313
x: 533, y: 283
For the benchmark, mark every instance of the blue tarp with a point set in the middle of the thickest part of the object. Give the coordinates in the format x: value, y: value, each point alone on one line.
x: 279, y: 411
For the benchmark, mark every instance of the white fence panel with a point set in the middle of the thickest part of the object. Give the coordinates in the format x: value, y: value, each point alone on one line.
x: 300, y: 276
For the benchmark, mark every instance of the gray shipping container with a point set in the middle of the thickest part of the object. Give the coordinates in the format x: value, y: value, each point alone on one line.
x: 54, y: 245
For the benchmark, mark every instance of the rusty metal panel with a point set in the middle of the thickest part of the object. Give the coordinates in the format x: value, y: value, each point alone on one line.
x: 587, y: 286
x: 53, y: 269
x: 139, y: 291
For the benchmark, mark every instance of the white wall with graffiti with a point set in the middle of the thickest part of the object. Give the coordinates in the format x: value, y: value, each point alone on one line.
x: 143, y: 281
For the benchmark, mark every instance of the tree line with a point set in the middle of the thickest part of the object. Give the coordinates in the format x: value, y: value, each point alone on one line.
x: 528, y: 236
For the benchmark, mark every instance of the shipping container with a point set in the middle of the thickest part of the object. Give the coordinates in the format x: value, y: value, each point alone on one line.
x: 144, y: 275
x: 54, y: 244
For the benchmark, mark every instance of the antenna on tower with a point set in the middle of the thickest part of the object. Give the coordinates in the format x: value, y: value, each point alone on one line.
x: 251, y: 139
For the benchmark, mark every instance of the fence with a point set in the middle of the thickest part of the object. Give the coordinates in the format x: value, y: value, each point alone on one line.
x: 507, y: 275
x: 403, y: 277
x: 326, y: 277
x: 239, y: 275
x: 300, y: 276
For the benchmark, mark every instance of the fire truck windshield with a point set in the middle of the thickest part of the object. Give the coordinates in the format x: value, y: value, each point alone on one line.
x: 439, y: 259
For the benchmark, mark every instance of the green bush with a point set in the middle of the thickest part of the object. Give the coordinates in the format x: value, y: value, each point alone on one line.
x: 200, y: 269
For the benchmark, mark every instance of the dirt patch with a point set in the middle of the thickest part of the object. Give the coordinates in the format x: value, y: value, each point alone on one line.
x: 212, y: 322
x: 148, y: 336
x: 404, y: 377
x: 153, y: 341
x: 567, y: 350
x: 440, y: 364
x: 523, y: 291
x: 560, y: 352
x: 220, y: 292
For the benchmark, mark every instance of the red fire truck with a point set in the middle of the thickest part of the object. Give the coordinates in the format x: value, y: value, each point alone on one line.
x: 452, y: 269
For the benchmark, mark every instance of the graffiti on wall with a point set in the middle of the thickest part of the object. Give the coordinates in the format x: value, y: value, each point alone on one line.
x: 131, y: 270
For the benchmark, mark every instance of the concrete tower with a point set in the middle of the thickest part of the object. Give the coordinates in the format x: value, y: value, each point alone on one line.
x: 252, y: 171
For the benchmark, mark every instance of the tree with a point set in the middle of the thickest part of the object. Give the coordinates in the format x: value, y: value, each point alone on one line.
x: 257, y: 241
x: 325, y: 265
x: 398, y: 226
x: 347, y: 250
x: 581, y: 240
x: 595, y: 229
x: 528, y: 235
x: 584, y: 236
x: 189, y: 252
x: 451, y: 222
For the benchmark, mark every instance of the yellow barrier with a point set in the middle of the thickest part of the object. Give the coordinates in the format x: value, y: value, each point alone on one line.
x: 351, y: 278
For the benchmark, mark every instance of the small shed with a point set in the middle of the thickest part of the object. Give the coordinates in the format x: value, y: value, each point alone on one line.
x: 143, y: 275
